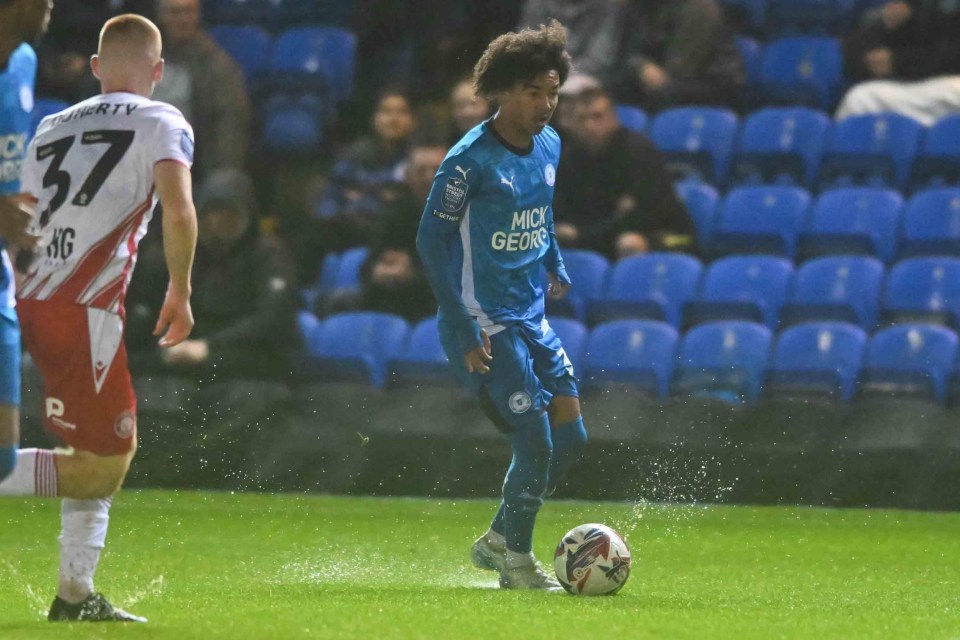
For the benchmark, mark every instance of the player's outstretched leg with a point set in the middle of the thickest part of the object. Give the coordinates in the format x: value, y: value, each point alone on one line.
x: 569, y: 439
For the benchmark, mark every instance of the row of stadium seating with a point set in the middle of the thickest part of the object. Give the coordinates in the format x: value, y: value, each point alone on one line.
x: 732, y: 360
x: 780, y: 17
x: 679, y: 290
x: 279, y: 14
x: 802, y: 146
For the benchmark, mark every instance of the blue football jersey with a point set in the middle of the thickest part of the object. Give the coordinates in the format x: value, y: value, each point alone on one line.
x: 487, y: 229
x: 16, y: 108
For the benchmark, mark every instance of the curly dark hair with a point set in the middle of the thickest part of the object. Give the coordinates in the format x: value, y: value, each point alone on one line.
x: 520, y: 57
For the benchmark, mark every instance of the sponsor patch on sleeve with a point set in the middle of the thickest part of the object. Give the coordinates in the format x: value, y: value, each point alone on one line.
x: 454, y: 194
x: 186, y: 144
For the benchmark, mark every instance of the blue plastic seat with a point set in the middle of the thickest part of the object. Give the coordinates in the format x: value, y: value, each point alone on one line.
x: 760, y: 220
x: 873, y: 149
x: 573, y: 336
x: 780, y: 145
x: 654, y: 285
x: 701, y: 201
x: 818, y: 358
x: 938, y: 161
x: 841, y: 288
x: 744, y: 288
x: 802, y: 70
x: 638, y: 353
x: 43, y: 107
x: 752, y: 53
x: 423, y: 360
x: 357, y: 347
x: 348, y: 268
x: 923, y: 290
x: 314, y: 58
x: 633, y: 118
x: 855, y: 220
x: 588, y: 271
x: 832, y: 17
x: 723, y: 360
x: 309, y: 326
x: 291, y: 128
x: 911, y: 359
x: 696, y: 141
x: 931, y: 223
x: 247, y: 44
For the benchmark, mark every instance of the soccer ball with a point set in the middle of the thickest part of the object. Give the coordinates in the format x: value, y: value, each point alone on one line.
x: 592, y: 560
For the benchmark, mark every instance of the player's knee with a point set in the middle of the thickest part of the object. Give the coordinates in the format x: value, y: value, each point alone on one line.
x: 102, y: 476
x: 8, y: 460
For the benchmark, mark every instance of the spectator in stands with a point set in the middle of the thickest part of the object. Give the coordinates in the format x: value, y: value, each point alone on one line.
x: 64, y: 53
x: 367, y: 175
x: 614, y: 194
x: 908, y: 54
x: 392, y: 278
x: 243, y: 293
x: 206, y: 84
x: 903, y: 40
x: 467, y: 110
x: 679, y: 52
x: 595, y: 30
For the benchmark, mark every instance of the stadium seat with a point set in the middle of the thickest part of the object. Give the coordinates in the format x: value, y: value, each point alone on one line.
x: 314, y: 58
x: 780, y: 145
x: 724, y: 360
x: 701, y: 202
x: 696, y: 141
x: 931, y: 223
x: 938, y: 161
x: 423, y: 360
x: 292, y: 128
x: 588, y: 272
x: 358, y: 346
x: 815, y: 17
x: 818, y: 358
x: 43, y: 107
x: 309, y: 326
x: 247, y: 44
x: 348, y: 269
x: 633, y: 118
x: 752, y: 53
x: 573, y: 335
x: 760, y: 220
x: 841, y: 288
x: 742, y: 288
x: 875, y: 150
x: 328, y: 273
x: 923, y: 290
x: 802, y: 71
x: 638, y: 353
x: 855, y: 220
x: 654, y: 285
x: 911, y: 359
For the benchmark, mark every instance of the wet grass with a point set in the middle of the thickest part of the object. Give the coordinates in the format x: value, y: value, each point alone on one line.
x: 209, y: 565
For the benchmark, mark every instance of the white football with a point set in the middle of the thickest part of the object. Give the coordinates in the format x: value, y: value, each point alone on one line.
x: 592, y: 560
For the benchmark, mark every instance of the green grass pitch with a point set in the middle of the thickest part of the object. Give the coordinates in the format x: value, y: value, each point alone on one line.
x: 209, y: 565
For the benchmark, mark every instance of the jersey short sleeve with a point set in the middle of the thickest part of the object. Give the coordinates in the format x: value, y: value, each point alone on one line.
x: 174, y: 138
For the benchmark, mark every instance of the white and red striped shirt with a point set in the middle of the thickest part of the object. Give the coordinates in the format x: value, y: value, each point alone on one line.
x: 91, y: 169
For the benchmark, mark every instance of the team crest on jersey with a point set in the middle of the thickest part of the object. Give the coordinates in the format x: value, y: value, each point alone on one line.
x: 454, y: 194
x: 550, y: 175
x: 126, y: 424
x: 520, y: 402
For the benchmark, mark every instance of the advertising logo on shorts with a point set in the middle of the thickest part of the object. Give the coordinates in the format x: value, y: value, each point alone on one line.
x: 550, y: 175
x: 520, y: 402
x: 126, y: 425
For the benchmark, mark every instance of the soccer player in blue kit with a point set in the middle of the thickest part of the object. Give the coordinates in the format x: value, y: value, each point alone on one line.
x: 21, y: 22
x: 485, y: 234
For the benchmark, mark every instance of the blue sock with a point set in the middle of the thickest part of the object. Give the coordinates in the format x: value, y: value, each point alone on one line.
x: 8, y: 460
x: 525, y: 484
x: 569, y: 439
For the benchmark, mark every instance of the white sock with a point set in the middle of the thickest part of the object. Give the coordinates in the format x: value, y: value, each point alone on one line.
x: 34, y: 475
x: 82, y: 536
x: 495, y: 540
x: 515, y: 559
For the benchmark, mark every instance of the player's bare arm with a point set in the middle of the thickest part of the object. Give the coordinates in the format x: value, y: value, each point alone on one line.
x: 174, y: 188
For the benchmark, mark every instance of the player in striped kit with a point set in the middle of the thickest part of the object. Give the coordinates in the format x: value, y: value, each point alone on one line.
x: 485, y: 234
x: 97, y: 170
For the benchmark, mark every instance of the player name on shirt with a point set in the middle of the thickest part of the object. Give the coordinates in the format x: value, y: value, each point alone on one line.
x: 102, y: 109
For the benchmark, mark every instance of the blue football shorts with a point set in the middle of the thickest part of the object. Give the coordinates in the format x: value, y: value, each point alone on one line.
x: 9, y: 357
x: 529, y: 367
